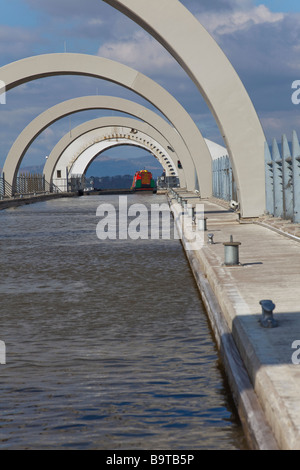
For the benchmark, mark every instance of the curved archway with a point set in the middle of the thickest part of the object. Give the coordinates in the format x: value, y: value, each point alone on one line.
x: 36, y: 67
x: 91, y: 152
x: 51, y: 115
x: 106, y: 130
x: 196, y: 51
x: 83, y: 162
x: 67, y: 151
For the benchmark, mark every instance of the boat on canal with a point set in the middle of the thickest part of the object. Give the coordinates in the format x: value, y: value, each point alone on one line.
x: 143, y: 181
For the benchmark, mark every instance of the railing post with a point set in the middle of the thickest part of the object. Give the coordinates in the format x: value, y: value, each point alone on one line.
x: 223, y: 178
x: 278, y: 183
x: 230, y: 181
x: 269, y: 181
x: 287, y: 180
x: 220, y: 178
x: 216, y: 163
x: 296, y: 176
x: 227, y: 172
x: 223, y: 182
x: 1, y: 186
x: 213, y: 177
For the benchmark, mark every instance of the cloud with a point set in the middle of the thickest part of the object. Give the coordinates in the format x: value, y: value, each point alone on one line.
x: 66, y: 9
x: 196, y: 6
x: 140, y: 52
x: 277, y: 123
x: 263, y: 47
x: 16, y: 42
x: 228, y: 22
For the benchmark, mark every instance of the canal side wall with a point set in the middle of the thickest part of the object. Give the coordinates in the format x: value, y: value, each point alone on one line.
x: 263, y: 380
x: 16, y: 202
x: 256, y: 428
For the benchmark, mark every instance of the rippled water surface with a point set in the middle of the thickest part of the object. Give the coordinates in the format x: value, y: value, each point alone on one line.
x: 107, y: 342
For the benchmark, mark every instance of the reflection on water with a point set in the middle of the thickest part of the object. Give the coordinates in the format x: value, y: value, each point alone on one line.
x: 107, y: 342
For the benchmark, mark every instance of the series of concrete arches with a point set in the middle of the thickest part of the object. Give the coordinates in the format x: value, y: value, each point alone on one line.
x: 77, y: 149
x: 79, y: 167
x: 36, y: 67
x: 196, y: 51
x: 53, y: 114
x: 179, y: 31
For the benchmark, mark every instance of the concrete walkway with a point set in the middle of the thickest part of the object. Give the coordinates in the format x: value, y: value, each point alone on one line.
x: 269, y: 269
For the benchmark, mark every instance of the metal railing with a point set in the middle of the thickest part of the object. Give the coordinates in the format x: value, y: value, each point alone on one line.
x: 165, y: 182
x: 282, y: 169
x: 26, y: 185
x: 33, y: 184
x: 5, y: 188
x: 76, y: 183
x: 72, y: 184
x: 223, y: 180
x: 282, y: 179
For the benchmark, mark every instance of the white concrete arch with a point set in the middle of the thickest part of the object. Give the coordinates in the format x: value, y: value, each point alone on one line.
x: 51, y: 115
x: 114, y: 129
x: 104, y: 102
x: 197, y: 52
x: 33, y: 68
x: 111, y: 130
x: 81, y: 164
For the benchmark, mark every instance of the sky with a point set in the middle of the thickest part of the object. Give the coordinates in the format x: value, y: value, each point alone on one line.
x: 260, y: 38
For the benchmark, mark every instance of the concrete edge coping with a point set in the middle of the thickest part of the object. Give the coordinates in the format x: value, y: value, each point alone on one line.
x: 15, y: 202
x: 277, y: 230
x: 255, y: 426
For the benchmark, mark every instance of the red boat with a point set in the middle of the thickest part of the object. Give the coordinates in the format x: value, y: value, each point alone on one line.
x: 143, y: 181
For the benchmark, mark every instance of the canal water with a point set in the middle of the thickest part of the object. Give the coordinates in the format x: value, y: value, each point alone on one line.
x: 107, y: 342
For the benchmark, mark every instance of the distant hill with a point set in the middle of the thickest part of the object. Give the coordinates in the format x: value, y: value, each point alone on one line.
x: 110, y: 182
x: 107, y: 166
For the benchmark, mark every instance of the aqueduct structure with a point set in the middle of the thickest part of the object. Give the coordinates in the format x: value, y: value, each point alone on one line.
x: 169, y: 22
x: 37, y: 67
x: 76, y: 150
x: 141, y: 113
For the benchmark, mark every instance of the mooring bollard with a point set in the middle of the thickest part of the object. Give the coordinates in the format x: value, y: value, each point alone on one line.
x: 202, y: 225
x: 231, y: 251
x: 267, y: 320
x: 210, y: 238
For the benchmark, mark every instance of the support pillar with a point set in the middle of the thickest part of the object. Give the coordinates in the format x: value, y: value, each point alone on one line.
x: 269, y: 181
x: 278, y: 183
x: 296, y: 176
x: 287, y: 180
